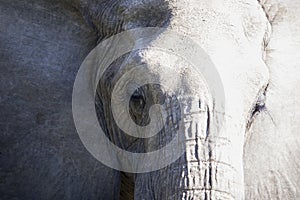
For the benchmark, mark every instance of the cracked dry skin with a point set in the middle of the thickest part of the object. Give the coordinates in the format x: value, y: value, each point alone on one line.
x: 254, y: 46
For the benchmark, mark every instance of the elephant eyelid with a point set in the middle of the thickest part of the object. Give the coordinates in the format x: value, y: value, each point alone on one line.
x: 259, y: 105
x: 138, y: 95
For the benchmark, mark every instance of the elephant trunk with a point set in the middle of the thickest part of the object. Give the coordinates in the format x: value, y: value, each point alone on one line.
x: 208, y: 169
x: 207, y: 175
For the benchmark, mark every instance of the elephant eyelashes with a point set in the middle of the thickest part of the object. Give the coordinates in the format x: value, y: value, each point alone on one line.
x: 259, y: 107
x: 137, y: 99
x: 260, y: 102
x: 137, y: 108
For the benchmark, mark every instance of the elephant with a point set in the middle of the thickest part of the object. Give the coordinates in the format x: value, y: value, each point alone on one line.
x: 252, y: 44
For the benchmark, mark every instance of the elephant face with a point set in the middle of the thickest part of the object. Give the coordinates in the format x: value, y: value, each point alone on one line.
x: 247, y: 148
x: 205, y: 169
x: 238, y: 46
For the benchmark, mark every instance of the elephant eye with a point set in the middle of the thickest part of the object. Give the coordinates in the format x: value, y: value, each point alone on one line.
x: 260, y: 103
x: 138, y: 109
x: 137, y: 98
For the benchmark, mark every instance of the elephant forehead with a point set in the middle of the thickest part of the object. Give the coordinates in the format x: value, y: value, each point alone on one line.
x: 174, y: 74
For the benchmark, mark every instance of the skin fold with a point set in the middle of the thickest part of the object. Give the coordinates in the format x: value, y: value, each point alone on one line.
x: 254, y: 47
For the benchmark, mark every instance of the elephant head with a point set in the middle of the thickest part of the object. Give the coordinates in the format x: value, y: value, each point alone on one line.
x: 217, y: 162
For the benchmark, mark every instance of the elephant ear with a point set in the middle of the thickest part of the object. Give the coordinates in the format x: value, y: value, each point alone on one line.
x: 42, y: 45
x: 272, y: 150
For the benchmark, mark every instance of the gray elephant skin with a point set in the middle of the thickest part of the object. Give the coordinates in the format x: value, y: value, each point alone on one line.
x: 254, y: 46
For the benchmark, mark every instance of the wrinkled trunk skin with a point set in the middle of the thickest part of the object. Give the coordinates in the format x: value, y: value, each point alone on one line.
x: 199, y: 173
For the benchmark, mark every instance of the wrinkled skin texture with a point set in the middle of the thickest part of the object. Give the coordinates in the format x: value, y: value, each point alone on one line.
x: 254, y: 45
